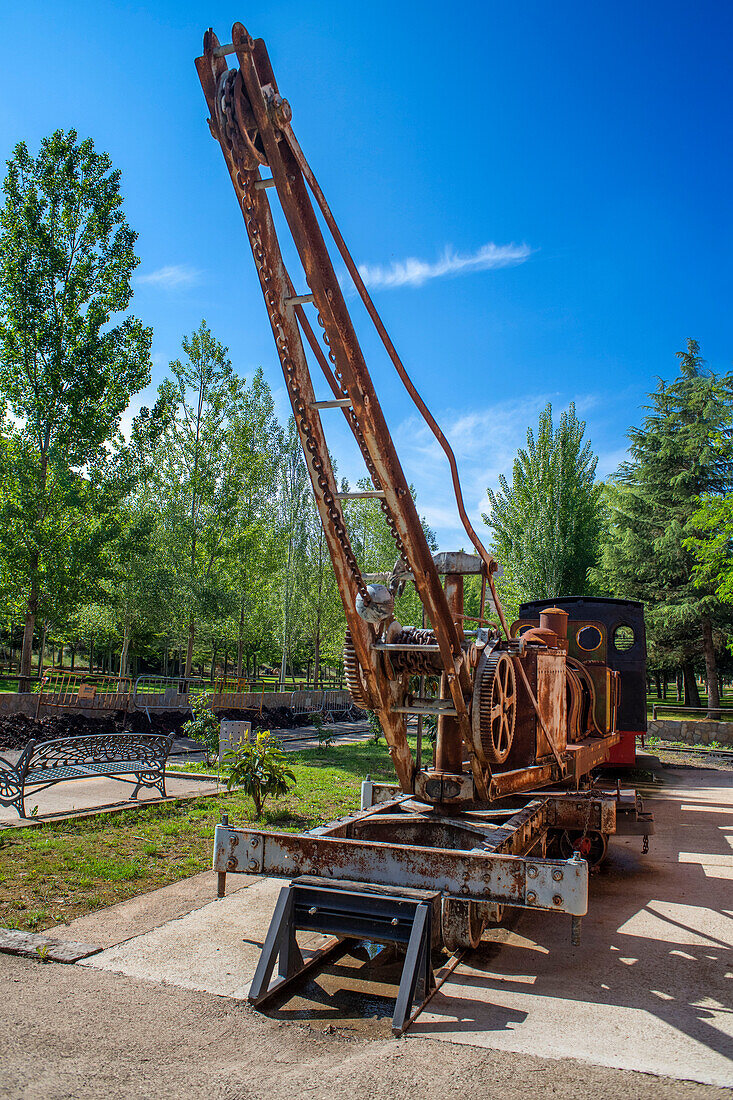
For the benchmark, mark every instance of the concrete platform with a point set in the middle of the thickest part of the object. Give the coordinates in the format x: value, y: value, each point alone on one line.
x: 650, y: 988
x: 214, y: 949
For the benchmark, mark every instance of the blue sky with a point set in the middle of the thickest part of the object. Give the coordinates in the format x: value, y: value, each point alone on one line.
x: 588, y: 145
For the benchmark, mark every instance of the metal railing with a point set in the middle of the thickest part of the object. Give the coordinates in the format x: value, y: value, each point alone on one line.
x: 72, y: 690
x: 340, y: 702
x: 307, y: 702
x: 167, y: 692
x: 680, y: 708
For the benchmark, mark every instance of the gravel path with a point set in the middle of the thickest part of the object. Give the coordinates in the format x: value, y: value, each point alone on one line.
x: 67, y: 1032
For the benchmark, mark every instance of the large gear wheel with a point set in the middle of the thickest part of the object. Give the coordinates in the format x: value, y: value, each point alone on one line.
x: 494, y: 711
x: 353, y: 675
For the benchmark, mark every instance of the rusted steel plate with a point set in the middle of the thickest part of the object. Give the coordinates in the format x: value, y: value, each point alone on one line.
x: 586, y: 755
x: 579, y: 813
x: 523, y: 779
x: 556, y: 885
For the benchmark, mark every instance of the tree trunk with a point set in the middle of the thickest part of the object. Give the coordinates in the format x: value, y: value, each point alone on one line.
x: 711, y: 670
x: 692, y: 695
x: 678, y: 685
x: 73, y: 656
x: 189, y: 649
x: 240, y: 639
x: 30, y: 625
x: 124, y: 651
x: 317, y: 661
x: 664, y: 685
x: 42, y: 651
x: 658, y: 684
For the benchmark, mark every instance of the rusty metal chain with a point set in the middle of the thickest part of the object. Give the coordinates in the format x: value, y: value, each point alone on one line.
x: 359, y: 436
x: 230, y: 136
x: 411, y: 661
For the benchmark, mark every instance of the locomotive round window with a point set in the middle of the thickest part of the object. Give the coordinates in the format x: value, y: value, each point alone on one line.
x: 623, y: 638
x: 589, y: 638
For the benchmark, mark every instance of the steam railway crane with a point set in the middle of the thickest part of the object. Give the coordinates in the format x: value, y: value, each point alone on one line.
x: 512, y: 713
x: 518, y: 708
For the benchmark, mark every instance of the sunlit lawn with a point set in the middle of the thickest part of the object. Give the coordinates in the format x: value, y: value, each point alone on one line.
x: 51, y: 873
x: 652, y: 699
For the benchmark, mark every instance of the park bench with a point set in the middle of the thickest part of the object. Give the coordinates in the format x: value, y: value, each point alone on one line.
x: 141, y: 756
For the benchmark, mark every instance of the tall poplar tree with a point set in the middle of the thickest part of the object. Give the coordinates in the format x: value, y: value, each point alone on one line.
x: 546, y: 524
x: 198, y: 474
x: 70, y: 356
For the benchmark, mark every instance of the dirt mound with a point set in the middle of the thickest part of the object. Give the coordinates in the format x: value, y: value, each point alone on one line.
x: 17, y: 730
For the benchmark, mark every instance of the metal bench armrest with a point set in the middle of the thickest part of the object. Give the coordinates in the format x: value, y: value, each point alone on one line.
x: 6, y: 768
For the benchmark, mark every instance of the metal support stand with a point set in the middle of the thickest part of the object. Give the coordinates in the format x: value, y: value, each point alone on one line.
x: 349, y: 911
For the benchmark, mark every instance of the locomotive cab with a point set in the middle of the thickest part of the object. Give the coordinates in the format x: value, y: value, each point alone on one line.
x: 606, y: 645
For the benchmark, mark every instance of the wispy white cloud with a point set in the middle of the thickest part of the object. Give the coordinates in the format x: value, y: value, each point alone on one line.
x: 171, y: 277
x: 485, y: 442
x: 415, y: 272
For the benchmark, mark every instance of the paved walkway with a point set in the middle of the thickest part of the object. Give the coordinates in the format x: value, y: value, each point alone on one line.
x: 648, y: 989
x: 651, y: 986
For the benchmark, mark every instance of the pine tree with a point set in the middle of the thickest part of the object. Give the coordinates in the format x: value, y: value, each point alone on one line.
x: 682, y: 452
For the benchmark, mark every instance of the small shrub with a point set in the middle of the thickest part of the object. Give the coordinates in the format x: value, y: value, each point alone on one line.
x: 260, y: 769
x: 374, y: 726
x: 325, y: 735
x: 204, y: 727
x: 430, y: 728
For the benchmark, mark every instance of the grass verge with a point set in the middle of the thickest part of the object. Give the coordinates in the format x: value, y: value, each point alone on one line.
x: 52, y: 873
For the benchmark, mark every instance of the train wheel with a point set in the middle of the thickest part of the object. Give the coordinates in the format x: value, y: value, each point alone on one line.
x: 462, y: 924
x: 592, y: 846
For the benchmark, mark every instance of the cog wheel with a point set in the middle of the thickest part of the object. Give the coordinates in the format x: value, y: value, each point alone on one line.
x: 353, y: 675
x: 494, y: 711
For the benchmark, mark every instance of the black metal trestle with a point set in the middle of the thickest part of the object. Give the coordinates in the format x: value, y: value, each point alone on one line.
x: 349, y: 911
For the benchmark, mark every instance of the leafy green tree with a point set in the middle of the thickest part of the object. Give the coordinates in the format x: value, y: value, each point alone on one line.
x: 712, y: 545
x: 682, y: 453
x: 546, y: 524
x: 198, y: 474
x: 260, y: 768
x: 294, y: 494
x: 253, y: 543
x: 322, y: 611
x: 70, y: 355
x: 135, y: 575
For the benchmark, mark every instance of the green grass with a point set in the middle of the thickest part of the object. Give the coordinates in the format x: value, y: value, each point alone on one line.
x: 726, y: 700
x: 664, y: 743
x: 52, y: 873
